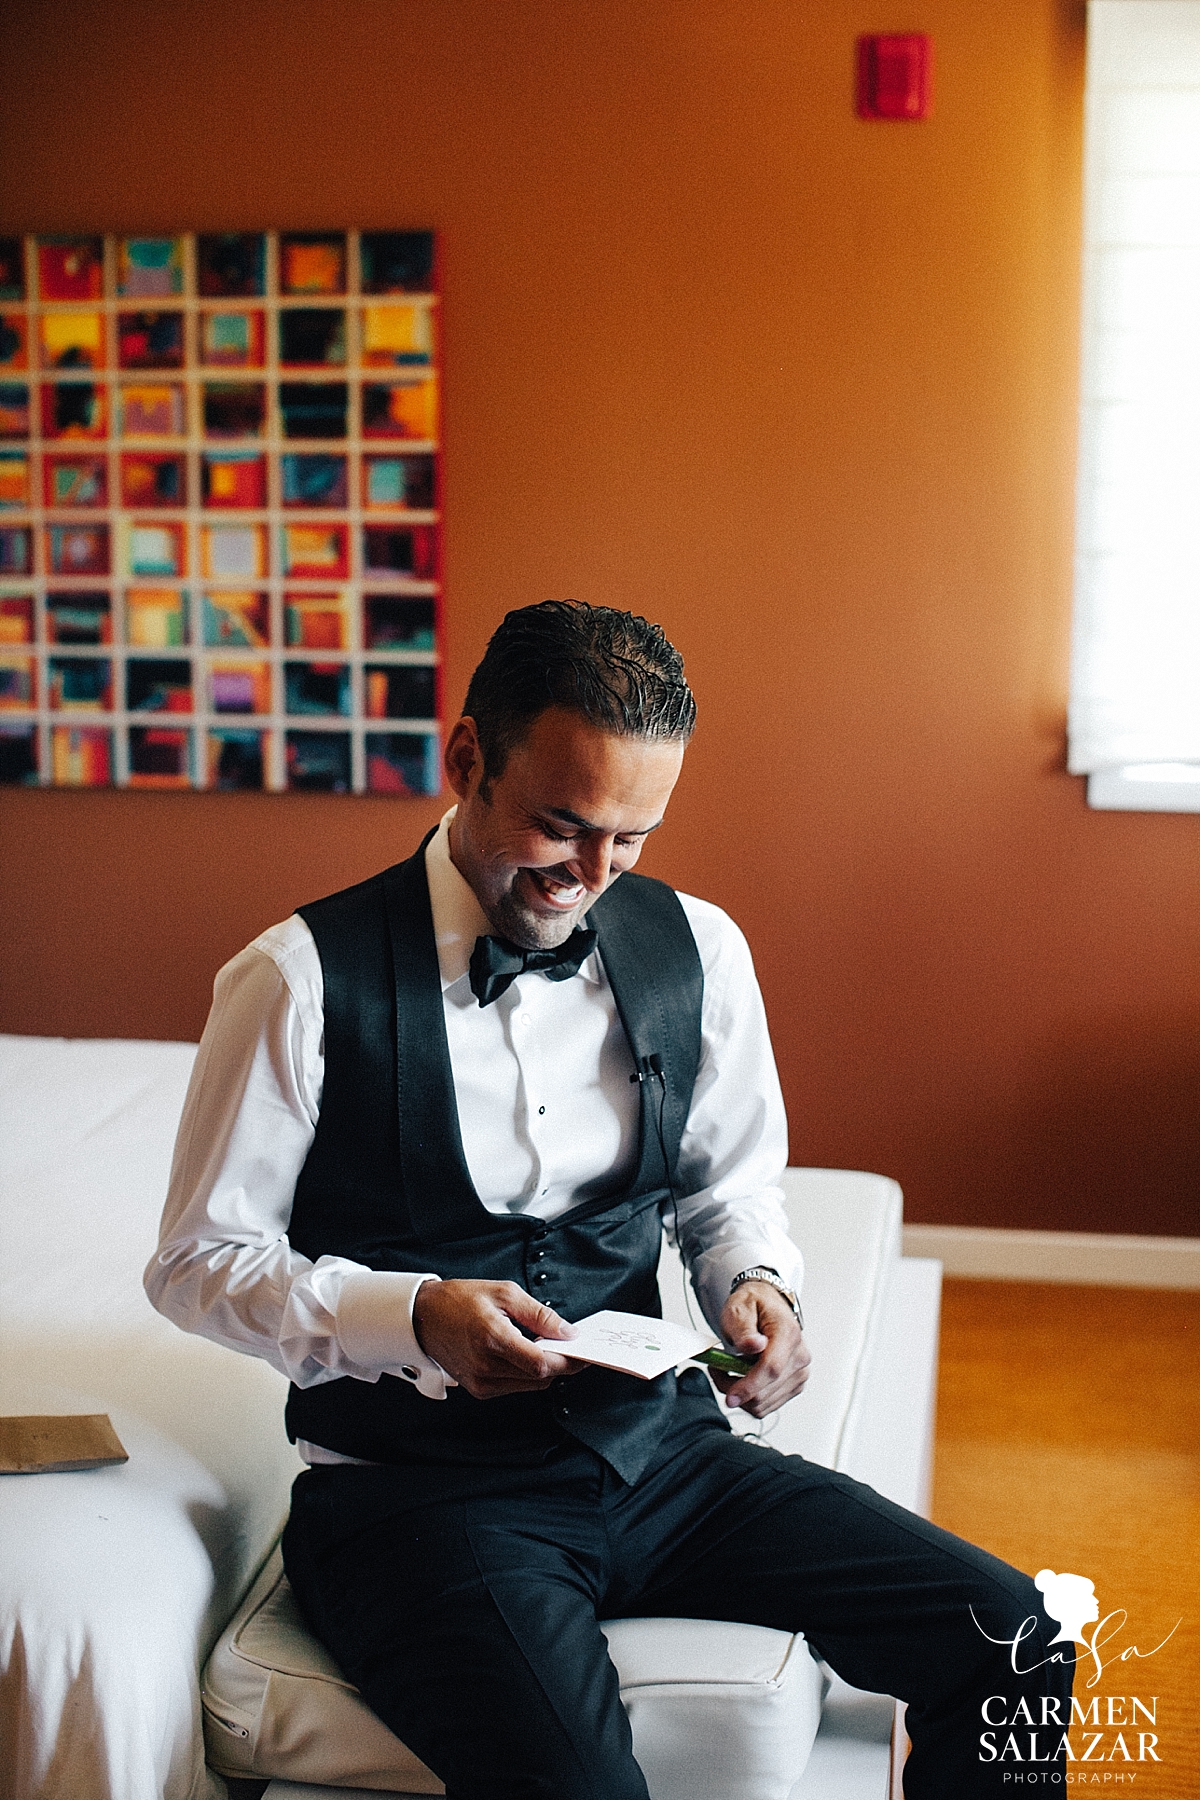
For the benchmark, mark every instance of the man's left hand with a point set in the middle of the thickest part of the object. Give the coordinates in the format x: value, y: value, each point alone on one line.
x: 757, y: 1321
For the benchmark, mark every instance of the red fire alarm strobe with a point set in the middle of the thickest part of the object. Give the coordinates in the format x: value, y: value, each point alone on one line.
x: 895, y: 76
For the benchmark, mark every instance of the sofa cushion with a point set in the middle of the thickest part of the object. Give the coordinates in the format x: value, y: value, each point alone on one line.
x: 715, y: 1709
x: 275, y: 1703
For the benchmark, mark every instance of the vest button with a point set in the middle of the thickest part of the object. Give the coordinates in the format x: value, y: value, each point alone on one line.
x: 537, y: 1255
x: 541, y: 1276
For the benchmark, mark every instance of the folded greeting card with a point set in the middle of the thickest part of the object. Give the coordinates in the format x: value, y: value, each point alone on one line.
x: 627, y: 1341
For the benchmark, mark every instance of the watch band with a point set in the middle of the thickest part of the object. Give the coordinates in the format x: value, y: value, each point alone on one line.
x: 773, y: 1279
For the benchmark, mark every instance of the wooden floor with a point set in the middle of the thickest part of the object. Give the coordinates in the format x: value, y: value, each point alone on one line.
x: 1068, y: 1437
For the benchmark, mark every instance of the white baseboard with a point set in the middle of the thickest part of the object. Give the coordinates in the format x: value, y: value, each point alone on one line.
x: 1088, y: 1257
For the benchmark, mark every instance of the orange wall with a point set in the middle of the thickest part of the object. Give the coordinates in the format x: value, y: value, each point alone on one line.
x: 798, y: 386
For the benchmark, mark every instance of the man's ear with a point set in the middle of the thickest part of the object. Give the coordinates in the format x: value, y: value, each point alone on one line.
x: 464, y: 759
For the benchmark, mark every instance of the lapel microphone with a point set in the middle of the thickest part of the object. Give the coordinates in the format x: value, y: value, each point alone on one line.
x: 650, y: 1068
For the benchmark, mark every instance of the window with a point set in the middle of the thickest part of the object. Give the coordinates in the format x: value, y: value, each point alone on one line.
x: 1135, y: 675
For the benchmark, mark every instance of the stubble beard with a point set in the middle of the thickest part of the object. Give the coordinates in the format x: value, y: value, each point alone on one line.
x: 530, y: 930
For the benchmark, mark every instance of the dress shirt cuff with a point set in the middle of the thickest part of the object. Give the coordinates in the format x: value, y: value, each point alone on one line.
x: 714, y: 1270
x: 375, y: 1329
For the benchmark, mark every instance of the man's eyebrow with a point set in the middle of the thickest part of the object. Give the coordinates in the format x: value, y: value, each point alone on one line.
x: 571, y: 818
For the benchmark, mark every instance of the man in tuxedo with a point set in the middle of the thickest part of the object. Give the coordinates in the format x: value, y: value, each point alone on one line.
x: 444, y: 1113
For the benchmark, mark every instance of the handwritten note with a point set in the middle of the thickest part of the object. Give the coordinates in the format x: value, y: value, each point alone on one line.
x: 627, y: 1341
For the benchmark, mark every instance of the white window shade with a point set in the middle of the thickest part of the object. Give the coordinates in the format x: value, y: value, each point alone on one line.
x: 1135, y: 676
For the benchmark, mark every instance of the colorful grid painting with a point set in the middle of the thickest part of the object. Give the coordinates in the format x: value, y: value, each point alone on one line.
x: 220, y: 500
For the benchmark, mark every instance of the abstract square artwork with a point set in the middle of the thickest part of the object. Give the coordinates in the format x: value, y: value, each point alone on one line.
x: 74, y: 409
x: 156, y: 618
x: 232, y: 340
x: 16, y: 619
x: 235, y: 759
x: 150, y: 340
x: 219, y: 500
x: 75, y: 481
x: 18, y: 675
x: 72, y: 340
x: 14, y: 340
x: 14, y: 480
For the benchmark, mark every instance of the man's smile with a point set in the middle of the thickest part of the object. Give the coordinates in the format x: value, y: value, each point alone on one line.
x: 562, y: 895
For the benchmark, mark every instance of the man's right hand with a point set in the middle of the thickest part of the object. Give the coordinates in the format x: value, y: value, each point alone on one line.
x: 471, y: 1329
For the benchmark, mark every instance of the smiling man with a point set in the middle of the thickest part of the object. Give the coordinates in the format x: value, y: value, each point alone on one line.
x: 446, y: 1112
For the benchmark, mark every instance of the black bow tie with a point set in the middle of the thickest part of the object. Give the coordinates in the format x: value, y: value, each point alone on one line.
x: 495, y: 963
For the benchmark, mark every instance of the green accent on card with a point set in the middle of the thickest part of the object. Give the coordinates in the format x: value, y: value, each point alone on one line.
x: 725, y: 1361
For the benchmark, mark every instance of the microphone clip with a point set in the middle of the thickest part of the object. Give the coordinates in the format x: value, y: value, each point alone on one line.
x: 650, y: 1068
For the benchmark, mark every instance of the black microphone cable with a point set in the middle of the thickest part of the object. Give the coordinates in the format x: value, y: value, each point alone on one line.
x: 650, y: 1068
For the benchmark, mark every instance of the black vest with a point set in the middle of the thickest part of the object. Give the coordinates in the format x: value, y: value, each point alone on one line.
x: 386, y: 1182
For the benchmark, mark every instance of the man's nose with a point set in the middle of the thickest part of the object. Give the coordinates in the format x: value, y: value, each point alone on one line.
x: 592, y: 863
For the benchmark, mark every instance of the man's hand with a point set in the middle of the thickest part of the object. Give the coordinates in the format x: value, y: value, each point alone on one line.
x: 757, y: 1321
x: 471, y: 1329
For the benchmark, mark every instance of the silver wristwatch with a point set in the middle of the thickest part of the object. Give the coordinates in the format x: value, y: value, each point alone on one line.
x: 773, y: 1279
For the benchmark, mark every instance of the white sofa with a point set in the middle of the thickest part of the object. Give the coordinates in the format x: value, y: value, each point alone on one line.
x: 115, y: 1584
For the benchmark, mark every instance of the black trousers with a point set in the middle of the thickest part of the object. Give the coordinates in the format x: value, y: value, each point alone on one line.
x: 463, y: 1603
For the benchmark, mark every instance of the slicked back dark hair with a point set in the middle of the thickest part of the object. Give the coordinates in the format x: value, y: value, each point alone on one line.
x: 616, y: 670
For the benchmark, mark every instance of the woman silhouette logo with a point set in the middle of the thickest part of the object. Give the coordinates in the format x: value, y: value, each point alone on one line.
x: 1071, y: 1600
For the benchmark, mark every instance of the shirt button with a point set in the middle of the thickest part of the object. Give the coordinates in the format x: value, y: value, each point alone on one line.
x: 524, y: 1019
x: 410, y: 1373
x: 541, y: 1110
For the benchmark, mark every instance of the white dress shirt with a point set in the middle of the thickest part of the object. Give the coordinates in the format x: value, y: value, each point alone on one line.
x: 548, y: 1117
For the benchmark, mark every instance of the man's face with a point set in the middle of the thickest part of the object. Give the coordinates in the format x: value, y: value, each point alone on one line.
x: 568, y: 815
